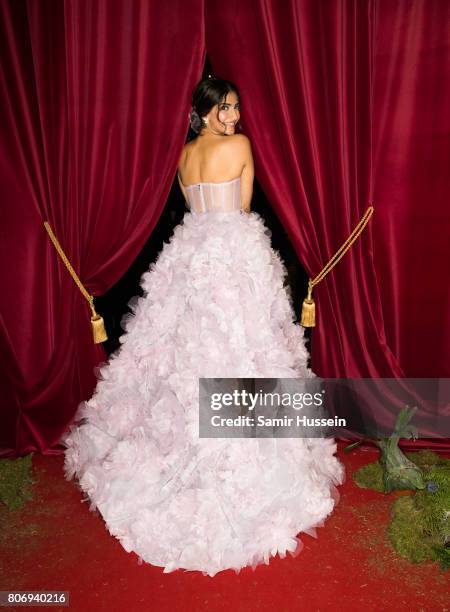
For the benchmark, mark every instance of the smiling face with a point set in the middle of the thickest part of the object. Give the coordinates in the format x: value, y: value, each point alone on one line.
x: 222, y: 118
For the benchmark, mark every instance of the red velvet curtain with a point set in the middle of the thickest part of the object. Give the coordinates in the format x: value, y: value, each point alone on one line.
x: 346, y: 103
x: 94, y: 111
x: 411, y: 127
x: 307, y: 107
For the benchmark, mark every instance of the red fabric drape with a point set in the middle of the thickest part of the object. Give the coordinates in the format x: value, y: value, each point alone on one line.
x: 94, y: 111
x: 411, y: 126
x: 307, y: 107
x: 320, y: 92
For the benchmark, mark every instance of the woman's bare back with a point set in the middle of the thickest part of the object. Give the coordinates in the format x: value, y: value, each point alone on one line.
x: 216, y: 160
x: 210, y: 160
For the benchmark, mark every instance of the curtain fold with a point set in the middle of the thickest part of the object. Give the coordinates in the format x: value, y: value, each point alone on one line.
x: 94, y: 106
x: 411, y: 122
x: 307, y: 104
x: 317, y: 81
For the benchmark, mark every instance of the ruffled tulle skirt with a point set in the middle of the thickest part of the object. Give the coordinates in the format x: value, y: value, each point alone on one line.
x: 214, y: 305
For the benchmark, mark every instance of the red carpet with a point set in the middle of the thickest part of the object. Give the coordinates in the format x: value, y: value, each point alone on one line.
x: 55, y: 543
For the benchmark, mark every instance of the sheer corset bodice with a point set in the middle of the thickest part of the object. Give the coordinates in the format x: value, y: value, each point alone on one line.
x: 214, y: 197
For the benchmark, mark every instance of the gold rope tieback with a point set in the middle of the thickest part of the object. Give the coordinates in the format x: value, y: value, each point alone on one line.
x: 98, y: 325
x: 308, y: 318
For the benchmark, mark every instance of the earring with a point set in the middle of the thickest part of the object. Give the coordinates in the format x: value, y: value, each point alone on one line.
x: 204, y: 121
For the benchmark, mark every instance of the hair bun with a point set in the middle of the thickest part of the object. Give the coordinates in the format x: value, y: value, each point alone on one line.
x: 195, y: 121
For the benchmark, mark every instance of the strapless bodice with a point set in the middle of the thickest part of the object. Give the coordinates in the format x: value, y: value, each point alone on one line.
x: 214, y: 197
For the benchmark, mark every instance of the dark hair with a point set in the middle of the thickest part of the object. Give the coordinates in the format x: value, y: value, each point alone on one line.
x: 207, y: 93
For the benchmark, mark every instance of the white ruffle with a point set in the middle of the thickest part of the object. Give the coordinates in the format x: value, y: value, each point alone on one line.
x: 214, y: 305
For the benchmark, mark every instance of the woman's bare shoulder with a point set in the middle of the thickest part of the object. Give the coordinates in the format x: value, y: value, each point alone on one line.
x: 238, y: 146
x: 183, y: 153
x: 187, y: 146
x: 238, y: 142
x: 239, y: 138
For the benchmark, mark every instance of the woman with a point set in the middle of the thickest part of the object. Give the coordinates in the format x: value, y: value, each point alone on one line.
x: 214, y: 305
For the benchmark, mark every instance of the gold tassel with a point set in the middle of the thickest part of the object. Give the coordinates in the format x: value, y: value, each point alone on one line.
x: 308, y: 318
x: 98, y: 325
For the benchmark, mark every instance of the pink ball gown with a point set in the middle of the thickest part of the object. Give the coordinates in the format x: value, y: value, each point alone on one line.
x: 214, y: 305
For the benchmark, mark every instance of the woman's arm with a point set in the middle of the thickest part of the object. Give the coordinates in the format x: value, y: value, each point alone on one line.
x: 182, y: 186
x: 183, y: 190
x: 244, y: 150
